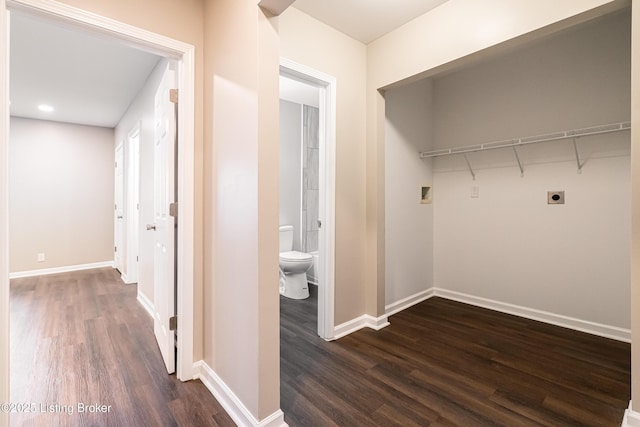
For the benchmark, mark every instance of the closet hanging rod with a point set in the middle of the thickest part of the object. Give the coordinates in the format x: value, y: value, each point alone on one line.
x: 595, y: 130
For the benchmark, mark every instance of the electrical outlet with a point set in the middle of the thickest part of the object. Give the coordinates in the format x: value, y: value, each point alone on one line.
x: 41, y: 257
x: 555, y: 197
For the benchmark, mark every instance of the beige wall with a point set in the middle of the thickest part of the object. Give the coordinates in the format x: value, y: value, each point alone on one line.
x: 635, y: 209
x: 408, y: 223
x: 61, y: 190
x: 459, y: 28
x: 509, y: 245
x: 181, y: 21
x: 457, y: 32
x: 309, y: 42
x: 241, y: 245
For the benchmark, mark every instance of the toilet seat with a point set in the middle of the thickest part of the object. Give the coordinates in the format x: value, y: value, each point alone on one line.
x: 295, y: 256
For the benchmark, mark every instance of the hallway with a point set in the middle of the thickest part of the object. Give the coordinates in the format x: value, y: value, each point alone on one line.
x: 81, y: 338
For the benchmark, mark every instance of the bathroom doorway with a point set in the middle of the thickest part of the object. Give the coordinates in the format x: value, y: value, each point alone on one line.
x: 308, y: 179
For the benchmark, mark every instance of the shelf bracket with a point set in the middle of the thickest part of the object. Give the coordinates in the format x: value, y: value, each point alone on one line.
x: 575, y: 147
x: 515, y: 151
x: 466, y: 159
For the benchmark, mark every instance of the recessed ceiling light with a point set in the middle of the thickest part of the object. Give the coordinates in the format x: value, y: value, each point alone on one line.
x: 45, y: 108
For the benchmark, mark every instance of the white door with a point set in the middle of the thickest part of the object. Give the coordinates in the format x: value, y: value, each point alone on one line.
x: 164, y: 225
x: 118, y: 258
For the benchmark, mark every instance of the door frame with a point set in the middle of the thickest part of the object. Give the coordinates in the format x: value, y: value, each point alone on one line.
x: 151, y: 42
x: 327, y: 212
x: 119, y: 187
x: 132, y: 205
x: 5, y: 350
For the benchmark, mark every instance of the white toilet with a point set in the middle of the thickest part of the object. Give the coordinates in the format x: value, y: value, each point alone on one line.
x: 293, y: 267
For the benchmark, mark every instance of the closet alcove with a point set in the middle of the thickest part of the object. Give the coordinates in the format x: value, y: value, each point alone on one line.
x: 492, y: 139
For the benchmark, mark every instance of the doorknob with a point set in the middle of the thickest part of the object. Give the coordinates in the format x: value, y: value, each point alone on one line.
x: 120, y: 217
x: 319, y: 223
x: 151, y: 227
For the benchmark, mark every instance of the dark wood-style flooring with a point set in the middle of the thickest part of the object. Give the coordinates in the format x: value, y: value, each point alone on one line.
x: 443, y: 363
x: 83, y: 338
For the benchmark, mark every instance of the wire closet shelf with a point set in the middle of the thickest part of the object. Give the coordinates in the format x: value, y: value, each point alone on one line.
x: 518, y: 142
x: 576, y: 133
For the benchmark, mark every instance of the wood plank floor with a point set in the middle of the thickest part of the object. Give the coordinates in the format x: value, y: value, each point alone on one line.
x: 443, y: 363
x: 83, y: 338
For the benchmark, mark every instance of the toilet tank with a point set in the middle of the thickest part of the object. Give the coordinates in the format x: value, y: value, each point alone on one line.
x: 286, y: 238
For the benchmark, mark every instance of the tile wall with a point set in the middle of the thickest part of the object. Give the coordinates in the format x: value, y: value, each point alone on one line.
x: 310, y: 178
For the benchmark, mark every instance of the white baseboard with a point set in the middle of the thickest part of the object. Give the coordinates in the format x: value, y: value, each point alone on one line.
x: 126, y: 279
x: 146, y: 303
x: 631, y: 419
x: 405, y: 303
x: 606, y: 331
x: 56, y: 270
x: 364, y: 321
x: 231, y: 403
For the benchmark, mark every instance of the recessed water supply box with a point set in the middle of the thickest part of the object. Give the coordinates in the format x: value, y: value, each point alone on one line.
x: 425, y: 194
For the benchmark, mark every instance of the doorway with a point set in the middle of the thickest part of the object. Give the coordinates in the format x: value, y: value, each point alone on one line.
x: 143, y: 40
x: 132, y: 184
x: 324, y: 271
x: 118, y: 231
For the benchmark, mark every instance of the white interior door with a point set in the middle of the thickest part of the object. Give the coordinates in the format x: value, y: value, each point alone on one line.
x: 118, y: 258
x: 164, y: 225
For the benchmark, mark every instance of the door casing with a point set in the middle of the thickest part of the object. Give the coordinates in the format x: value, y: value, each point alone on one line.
x: 119, y: 211
x: 327, y: 137
x: 132, y: 193
x: 148, y: 41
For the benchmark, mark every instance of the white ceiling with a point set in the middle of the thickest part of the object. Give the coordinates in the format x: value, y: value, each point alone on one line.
x: 87, y: 79
x: 92, y: 80
x: 366, y: 20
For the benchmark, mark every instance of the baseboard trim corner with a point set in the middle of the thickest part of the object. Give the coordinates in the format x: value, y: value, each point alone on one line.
x: 230, y: 402
x: 409, y: 301
x: 364, y: 321
x: 146, y: 303
x: 56, y: 270
x: 274, y: 420
x: 631, y: 418
x: 126, y: 280
x: 606, y: 331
